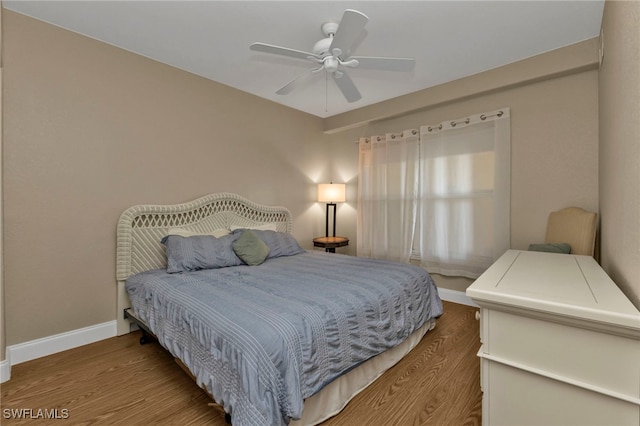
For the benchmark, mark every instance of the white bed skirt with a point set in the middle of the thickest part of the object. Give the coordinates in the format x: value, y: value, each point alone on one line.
x: 337, y: 394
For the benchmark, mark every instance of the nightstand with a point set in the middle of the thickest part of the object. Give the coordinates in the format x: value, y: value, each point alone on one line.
x: 330, y: 243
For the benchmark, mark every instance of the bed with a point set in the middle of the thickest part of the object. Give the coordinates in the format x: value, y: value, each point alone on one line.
x: 274, y: 333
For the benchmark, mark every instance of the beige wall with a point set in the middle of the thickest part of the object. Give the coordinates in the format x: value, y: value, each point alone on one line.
x: 90, y: 130
x: 620, y: 146
x: 554, y: 137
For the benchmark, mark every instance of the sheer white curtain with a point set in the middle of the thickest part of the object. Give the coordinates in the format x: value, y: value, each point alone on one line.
x: 464, y: 208
x: 387, y: 195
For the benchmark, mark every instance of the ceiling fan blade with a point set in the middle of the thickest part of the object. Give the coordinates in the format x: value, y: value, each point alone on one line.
x: 349, y: 29
x: 346, y: 86
x: 386, y: 64
x: 287, y: 88
x: 284, y: 51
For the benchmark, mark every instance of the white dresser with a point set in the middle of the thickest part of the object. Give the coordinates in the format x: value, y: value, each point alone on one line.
x: 560, y: 343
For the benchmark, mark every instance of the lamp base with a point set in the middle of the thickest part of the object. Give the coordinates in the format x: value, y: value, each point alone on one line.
x: 334, y: 220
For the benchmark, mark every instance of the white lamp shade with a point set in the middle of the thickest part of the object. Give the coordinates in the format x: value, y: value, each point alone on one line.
x: 331, y: 192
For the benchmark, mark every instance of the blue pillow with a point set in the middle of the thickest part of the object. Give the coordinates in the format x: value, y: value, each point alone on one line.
x: 551, y: 247
x: 199, y: 252
x: 279, y: 243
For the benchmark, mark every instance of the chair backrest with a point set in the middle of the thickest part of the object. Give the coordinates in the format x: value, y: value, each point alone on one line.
x: 575, y: 226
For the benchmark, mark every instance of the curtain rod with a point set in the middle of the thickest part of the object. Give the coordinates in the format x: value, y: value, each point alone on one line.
x: 452, y: 123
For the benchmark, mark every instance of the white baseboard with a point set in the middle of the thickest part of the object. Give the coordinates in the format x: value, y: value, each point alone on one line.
x: 456, y: 297
x: 27, y: 351
x: 5, y: 370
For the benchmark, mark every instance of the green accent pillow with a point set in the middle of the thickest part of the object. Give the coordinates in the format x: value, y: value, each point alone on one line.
x: 551, y: 247
x: 250, y: 248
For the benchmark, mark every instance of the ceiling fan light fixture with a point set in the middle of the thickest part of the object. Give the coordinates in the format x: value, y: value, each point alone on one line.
x: 331, y: 64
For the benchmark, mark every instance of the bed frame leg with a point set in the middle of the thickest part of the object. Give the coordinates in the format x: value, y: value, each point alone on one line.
x: 146, y: 338
x: 147, y: 335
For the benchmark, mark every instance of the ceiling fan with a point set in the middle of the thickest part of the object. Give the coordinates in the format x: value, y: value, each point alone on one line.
x: 333, y: 54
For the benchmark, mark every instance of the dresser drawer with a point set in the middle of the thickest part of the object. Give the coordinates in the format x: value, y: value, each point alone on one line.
x: 517, y: 397
x: 604, y: 362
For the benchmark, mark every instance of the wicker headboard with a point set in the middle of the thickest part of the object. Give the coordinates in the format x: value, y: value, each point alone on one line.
x: 141, y: 227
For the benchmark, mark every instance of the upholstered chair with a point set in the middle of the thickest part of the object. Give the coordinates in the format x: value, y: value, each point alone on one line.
x: 574, y: 226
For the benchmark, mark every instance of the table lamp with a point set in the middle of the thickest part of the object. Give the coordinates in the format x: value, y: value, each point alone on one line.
x: 331, y: 193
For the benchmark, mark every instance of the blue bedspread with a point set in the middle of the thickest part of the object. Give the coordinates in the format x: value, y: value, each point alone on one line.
x: 263, y: 338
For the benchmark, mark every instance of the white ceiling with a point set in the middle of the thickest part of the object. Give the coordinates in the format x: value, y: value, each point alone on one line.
x: 448, y: 39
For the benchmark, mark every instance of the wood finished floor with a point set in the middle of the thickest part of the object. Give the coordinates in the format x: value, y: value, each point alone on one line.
x: 119, y: 382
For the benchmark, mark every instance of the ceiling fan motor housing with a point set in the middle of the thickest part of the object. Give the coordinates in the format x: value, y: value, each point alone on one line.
x: 321, y: 48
